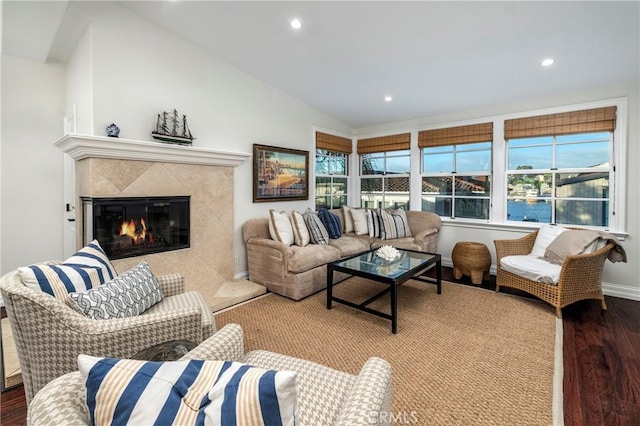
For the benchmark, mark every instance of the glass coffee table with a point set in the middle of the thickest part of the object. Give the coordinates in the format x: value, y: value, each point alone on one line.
x: 409, y: 265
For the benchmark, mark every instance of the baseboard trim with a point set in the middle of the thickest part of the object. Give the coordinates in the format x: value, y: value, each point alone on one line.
x: 622, y: 291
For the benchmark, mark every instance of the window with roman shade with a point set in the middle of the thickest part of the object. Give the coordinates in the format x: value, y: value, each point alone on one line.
x: 385, y: 167
x: 332, y: 170
x: 456, y: 170
x: 560, y: 168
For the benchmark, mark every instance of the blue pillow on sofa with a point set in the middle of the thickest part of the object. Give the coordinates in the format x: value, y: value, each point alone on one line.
x: 331, y: 222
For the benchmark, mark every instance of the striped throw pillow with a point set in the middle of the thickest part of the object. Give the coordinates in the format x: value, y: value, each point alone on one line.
x: 402, y: 223
x: 190, y: 392
x: 300, y: 232
x: 331, y: 222
x: 375, y: 223
x: 86, y: 269
x: 388, y: 228
x: 317, y: 232
x: 127, y: 295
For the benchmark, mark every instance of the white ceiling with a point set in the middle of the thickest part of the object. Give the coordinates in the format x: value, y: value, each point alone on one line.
x: 432, y: 57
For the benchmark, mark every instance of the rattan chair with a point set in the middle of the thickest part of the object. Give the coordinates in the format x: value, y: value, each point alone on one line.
x: 580, y: 276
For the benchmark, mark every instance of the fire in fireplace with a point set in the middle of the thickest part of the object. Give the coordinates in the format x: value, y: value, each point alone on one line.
x: 127, y: 227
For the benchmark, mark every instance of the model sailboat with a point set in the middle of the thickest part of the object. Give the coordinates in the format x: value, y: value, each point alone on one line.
x: 172, y: 129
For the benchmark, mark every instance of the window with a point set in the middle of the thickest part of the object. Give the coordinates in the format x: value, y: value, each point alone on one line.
x: 456, y: 171
x: 560, y: 179
x: 331, y: 179
x: 560, y: 168
x: 385, y: 171
x: 332, y: 170
x: 385, y: 179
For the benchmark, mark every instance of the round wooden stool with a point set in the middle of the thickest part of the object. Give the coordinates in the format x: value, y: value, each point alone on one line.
x: 471, y: 259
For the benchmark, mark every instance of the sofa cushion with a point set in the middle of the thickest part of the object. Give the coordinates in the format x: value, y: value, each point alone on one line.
x: 127, y: 295
x: 532, y: 268
x: 317, y: 232
x: 350, y: 245
x: 407, y: 243
x: 86, y: 269
x: 280, y: 227
x: 331, y: 222
x: 120, y: 391
x: 305, y: 258
x: 300, y: 232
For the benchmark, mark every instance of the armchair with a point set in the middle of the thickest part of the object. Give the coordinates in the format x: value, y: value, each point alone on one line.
x: 49, y: 335
x: 325, y: 396
x: 580, y: 275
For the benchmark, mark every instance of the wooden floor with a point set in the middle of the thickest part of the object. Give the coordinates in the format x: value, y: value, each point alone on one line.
x: 601, y: 364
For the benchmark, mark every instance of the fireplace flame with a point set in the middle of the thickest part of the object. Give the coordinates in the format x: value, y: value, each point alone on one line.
x: 138, y: 234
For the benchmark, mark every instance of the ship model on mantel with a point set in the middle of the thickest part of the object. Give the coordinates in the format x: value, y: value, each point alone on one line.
x: 173, y: 129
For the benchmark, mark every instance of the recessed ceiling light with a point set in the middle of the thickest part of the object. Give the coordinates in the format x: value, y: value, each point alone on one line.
x: 296, y: 24
x: 547, y: 62
x: 388, y: 98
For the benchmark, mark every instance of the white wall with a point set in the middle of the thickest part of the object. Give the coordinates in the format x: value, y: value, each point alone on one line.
x: 139, y: 70
x: 31, y: 172
x: 619, y: 279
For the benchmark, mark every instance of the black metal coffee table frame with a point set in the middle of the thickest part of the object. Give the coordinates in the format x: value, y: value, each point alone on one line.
x: 393, y: 283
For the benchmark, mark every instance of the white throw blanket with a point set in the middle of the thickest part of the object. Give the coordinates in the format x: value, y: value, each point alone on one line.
x: 576, y: 241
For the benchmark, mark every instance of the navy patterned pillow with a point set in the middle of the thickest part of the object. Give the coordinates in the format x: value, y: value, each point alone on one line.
x: 127, y: 295
x: 331, y: 222
x: 317, y: 232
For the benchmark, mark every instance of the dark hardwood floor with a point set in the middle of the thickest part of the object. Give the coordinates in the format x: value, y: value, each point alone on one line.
x: 601, y: 363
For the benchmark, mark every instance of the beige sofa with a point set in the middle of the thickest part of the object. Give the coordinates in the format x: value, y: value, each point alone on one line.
x: 297, y: 272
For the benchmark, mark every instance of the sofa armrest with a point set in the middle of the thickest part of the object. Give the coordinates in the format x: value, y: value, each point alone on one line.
x: 428, y: 239
x: 171, y: 284
x: 226, y: 344
x: 369, y: 402
x: 268, y: 260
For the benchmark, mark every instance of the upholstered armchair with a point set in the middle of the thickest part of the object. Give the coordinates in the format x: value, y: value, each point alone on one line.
x: 49, y: 334
x: 325, y: 396
x: 579, y: 278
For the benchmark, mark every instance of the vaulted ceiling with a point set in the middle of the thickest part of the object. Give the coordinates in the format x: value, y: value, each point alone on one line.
x: 431, y: 57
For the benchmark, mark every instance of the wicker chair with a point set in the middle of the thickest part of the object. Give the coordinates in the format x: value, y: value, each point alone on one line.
x: 49, y: 335
x: 325, y: 396
x: 580, y: 276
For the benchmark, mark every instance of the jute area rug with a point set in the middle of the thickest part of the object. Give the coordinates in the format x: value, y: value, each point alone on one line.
x: 465, y: 357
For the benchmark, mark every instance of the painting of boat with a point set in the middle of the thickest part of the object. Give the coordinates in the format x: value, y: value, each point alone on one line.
x: 171, y: 128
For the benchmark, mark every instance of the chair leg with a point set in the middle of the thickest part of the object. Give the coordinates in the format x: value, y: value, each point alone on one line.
x: 559, y: 312
x: 497, y: 288
x: 603, y: 304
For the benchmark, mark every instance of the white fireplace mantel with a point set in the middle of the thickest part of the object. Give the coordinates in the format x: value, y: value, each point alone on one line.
x: 80, y: 147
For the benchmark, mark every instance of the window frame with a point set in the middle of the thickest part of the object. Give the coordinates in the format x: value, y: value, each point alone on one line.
x: 385, y: 174
x: 331, y: 176
x: 454, y: 175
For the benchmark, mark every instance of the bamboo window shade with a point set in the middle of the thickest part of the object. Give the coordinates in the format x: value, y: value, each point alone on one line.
x: 584, y: 121
x: 333, y: 143
x: 385, y: 143
x: 456, y: 135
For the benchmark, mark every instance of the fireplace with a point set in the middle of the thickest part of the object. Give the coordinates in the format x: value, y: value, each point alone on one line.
x: 135, y: 226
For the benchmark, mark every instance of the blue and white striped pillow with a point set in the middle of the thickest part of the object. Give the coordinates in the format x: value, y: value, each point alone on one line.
x: 331, y: 223
x: 190, y: 392
x: 86, y: 269
x: 317, y: 232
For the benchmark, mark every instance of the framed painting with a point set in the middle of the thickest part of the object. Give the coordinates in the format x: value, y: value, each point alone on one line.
x: 280, y: 174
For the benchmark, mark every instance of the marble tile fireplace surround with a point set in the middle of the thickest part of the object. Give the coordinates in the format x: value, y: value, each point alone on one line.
x: 111, y: 167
